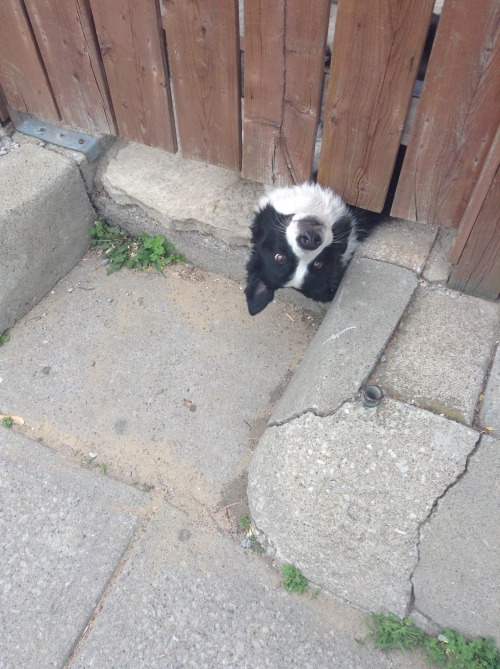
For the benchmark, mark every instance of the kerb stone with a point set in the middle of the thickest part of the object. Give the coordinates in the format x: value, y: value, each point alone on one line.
x: 368, y: 305
x: 45, y: 215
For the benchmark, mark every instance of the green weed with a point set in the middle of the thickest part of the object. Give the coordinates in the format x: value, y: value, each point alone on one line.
x: 7, y: 421
x: 293, y: 581
x: 449, y: 649
x: 244, y: 523
x: 123, y: 250
x: 4, y: 339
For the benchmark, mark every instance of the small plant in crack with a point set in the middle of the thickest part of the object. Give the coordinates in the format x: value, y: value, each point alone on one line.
x: 7, y: 421
x: 293, y: 580
x: 123, y: 250
x: 4, y: 338
x: 449, y: 649
x: 250, y: 540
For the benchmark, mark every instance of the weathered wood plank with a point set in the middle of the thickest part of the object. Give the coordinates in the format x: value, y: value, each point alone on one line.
x: 376, y: 53
x: 283, y: 78
x: 476, y: 252
x: 457, y: 117
x: 22, y: 74
x: 68, y: 45
x: 204, y: 61
x: 131, y: 42
x: 4, y: 112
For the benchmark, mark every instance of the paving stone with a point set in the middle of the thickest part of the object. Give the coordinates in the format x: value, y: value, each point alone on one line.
x: 343, y: 497
x: 190, y: 599
x: 183, y: 194
x: 457, y: 581
x: 440, y: 354
x: 63, y: 532
x: 489, y: 415
x: 402, y: 243
x: 371, y: 300
x: 44, y: 219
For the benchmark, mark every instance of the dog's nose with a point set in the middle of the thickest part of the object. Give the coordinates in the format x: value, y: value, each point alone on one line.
x: 309, y: 240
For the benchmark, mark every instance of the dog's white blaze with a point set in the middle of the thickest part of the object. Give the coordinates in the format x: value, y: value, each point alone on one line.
x: 297, y: 280
x: 352, y: 244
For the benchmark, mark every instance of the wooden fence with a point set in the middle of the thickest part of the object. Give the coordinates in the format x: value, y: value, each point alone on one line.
x: 178, y: 74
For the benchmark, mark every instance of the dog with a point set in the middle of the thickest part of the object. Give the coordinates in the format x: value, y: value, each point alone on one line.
x: 302, y: 237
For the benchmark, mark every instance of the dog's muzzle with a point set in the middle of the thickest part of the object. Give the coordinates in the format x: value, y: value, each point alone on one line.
x: 309, y: 234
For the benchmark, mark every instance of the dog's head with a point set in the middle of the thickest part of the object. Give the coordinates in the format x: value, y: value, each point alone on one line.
x: 292, y: 238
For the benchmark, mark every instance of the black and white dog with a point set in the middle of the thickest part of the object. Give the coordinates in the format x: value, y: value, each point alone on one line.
x: 303, y: 237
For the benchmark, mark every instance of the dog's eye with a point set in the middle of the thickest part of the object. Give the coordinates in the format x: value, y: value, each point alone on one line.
x: 318, y: 264
x: 279, y: 258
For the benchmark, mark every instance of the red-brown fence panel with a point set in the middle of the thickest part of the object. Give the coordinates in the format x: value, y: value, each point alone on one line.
x: 376, y: 53
x: 204, y: 61
x: 68, y: 45
x: 131, y: 42
x: 22, y: 74
x: 283, y: 78
x: 457, y: 116
x: 476, y: 253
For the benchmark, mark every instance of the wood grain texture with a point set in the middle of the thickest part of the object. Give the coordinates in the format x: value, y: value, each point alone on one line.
x: 131, y: 43
x: 22, y: 74
x: 283, y: 78
x: 204, y: 61
x: 376, y: 53
x: 457, y: 117
x: 476, y: 252
x: 4, y: 112
x: 68, y: 45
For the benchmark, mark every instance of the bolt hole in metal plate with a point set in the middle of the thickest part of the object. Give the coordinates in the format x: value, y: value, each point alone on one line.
x: 69, y: 139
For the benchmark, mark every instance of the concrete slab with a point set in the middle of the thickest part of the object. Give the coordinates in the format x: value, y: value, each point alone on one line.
x: 44, y: 219
x: 188, y: 598
x: 166, y: 378
x: 399, y: 242
x: 371, y: 300
x: 457, y: 581
x: 439, y: 356
x: 489, y: 415
x: 343, y: 497
x: 182, y: 194
x: 64, y: 530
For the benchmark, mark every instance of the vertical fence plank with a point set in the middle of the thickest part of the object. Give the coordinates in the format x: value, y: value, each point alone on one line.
x: 131, y: 43
x: 283, y: 78
x: 22, y: 73
x: 376, y: 53
x: 67, y: 42
x: 4, y: 112
x: 204, y: 61
x: 476, y: 252
x: 457, y: 116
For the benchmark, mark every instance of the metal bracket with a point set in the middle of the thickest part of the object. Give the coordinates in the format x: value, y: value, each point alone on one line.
x: 69, y: 139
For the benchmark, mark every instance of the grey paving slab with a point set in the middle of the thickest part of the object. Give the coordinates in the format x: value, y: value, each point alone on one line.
x: 399, y: 242
x: 63, y: 532
x: 165, y: 378
x: 44, y: 219
x: 343, y: 496
x: 183, y: 194
x: 489, y: 415
x: 457, y: 581
x: 188, y: 598
x: 438, y: 267
x: 371, y: 299
x: 439, y: 356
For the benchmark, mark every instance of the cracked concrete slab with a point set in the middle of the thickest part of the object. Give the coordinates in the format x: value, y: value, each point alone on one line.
x: 189, y: 598
x: 439, y: 356
x: 64, y: 530
x: 343, y: 497
x: 183, y: 194
x: 457, y: 580
x: 369, y: 303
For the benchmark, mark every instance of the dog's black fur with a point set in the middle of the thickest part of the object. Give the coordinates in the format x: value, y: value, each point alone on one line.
x: 302, y: 237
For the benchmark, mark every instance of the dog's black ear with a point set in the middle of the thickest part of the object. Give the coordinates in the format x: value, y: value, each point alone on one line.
x: 258, y: 295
